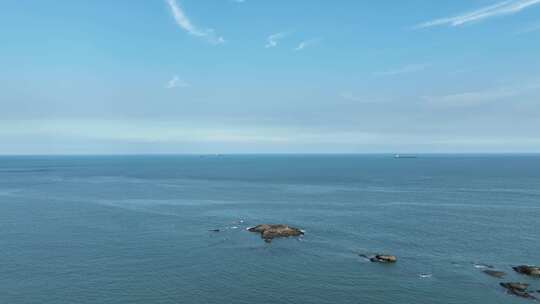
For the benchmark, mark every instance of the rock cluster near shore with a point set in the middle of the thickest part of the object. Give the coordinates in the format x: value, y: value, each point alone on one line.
x: 270, y: 231
x: 516, y: 288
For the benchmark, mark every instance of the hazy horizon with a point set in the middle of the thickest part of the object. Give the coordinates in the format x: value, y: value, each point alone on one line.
x: 248, y: 76
x: 208, y: 154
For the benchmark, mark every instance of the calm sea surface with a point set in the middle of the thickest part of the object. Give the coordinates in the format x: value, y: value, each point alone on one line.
x: 135, y: 229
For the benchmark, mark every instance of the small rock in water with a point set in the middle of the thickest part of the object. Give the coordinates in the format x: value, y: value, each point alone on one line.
x: 494, y: 273
x: 214, y: 230
x: 271, y: 231
x: 518, y: 289
x: 528, y: 270
x: 383, y: 258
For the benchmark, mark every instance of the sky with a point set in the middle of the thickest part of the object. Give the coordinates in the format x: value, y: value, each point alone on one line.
x: 269, y: 76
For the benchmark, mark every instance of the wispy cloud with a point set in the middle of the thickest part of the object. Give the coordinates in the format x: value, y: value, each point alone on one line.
x: 502, y: 8
x: 473, y: 98
x: 176, y: 82
x: 411, y: 68
x: 183, y: 22
x: 306, y: 43
x: 273, y: 40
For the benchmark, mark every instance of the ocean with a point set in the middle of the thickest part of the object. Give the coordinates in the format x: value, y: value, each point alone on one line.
x: 137, y: 229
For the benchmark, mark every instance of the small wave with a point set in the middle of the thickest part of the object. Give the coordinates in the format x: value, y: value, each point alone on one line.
x: 525, y: 191
x: 25, y: 170
x: 9, y: 192
x: 425, y: 275
x: 457, y: 205
x: 481, y: 266
x: 316, y: 189
x: 238, y: 222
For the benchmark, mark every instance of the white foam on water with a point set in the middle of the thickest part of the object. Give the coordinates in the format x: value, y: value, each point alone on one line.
x: 482, y: 266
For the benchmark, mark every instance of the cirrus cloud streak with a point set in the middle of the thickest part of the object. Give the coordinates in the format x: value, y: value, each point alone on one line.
x: 184, y: 23
x: 499, y: 9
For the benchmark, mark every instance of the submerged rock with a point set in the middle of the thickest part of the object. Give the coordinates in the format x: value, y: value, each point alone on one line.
x: 271, y: 231
x: 518, y: 289
x: 528, y: 270
x: 515, y: 286
x: 494, y: 273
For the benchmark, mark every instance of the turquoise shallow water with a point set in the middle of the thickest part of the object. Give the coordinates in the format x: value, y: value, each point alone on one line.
x: 134, y: 229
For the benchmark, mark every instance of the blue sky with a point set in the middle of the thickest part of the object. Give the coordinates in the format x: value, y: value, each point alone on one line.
x: 252, y: 76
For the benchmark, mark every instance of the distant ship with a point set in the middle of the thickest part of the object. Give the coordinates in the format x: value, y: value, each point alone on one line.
x: 404, y: 156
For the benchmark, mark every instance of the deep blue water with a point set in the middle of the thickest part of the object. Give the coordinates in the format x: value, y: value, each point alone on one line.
x: 134, y: 229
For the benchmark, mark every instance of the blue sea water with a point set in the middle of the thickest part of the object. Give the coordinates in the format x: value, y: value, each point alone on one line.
x: 135, y: 229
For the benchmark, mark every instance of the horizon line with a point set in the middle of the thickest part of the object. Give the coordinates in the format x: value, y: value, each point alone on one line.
x: 269, y: 153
